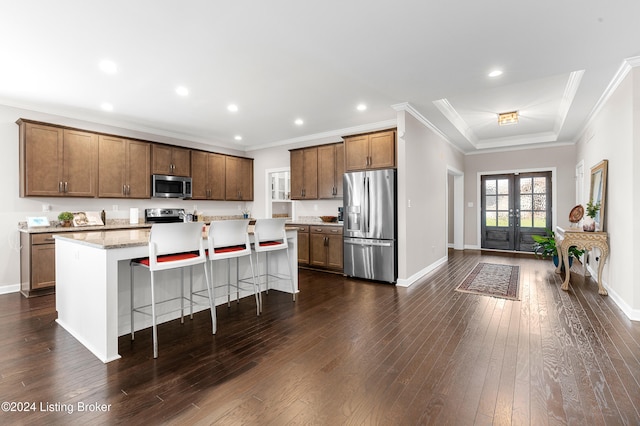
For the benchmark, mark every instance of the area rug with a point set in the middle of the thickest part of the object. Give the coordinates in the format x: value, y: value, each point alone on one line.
x: 492, y: 279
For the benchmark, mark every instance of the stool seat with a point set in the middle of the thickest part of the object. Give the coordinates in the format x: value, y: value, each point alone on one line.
x: 229, y: 239
x: 172, y: 246
x: 271, y: 237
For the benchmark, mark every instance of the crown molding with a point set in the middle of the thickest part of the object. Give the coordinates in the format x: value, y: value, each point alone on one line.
x: 407, y: 107
x: 569, y: 94
x: 456, y: 119
x: 626, y: 66
x: 338, y: 133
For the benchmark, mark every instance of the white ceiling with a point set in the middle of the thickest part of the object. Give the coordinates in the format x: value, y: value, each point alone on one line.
x: 282, y: 60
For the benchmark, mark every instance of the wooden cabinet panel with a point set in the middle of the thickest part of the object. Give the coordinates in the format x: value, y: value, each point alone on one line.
x: 80, y: 163
x: 37, y: 264
x: 57, y: 162
x: 40, y: 160
x: 304, y: 174
x: 138, y: 169
x: 124, y: 168
x: 356, y: 152
x: 111, y: 170
x: 317, y: 250
x: 326, y: 247
x: 330, y: 170
x: 303, y: 245
x: 371, y: 151
x: 382, y: 150
x: 170, y: 160
x: 43, y: 266
x: 208, y: 175
x: 238, y: 179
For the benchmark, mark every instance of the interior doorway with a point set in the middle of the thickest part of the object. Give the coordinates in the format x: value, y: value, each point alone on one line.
x: 515, y: 206
x: 455, y: 208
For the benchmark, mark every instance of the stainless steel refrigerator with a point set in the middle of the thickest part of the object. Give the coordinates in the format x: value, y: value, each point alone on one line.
x: 370, y: 226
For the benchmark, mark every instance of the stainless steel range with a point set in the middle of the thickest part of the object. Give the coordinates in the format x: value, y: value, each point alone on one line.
x: 160, y: 215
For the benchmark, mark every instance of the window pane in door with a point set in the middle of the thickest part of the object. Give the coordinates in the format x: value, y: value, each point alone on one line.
x: 491, y: 219
x: 503, y: 202
x: 525, y: 186
x: 490, y: 202
x: 490, y: 187
x: 525, y: 202
x: 540, y: 202
x: 539, y: 185
x: 526, y: 219
x: 540, y: 219
x: 503, y: 186
x: 503, y: 219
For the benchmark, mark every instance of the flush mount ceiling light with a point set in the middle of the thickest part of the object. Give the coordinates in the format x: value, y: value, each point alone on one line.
x: 238, y: 137
x: 506, y: 118
x: 361, y: 107
x: 106, y: 106
x: 182, y: 91
x: 299, y: 122
x: 495, y: 73
x: 232, y: 107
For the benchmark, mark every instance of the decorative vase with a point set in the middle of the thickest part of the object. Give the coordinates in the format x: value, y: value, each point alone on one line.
x: 556, y: 261
x: 588, y: 224
x: 66, y: 223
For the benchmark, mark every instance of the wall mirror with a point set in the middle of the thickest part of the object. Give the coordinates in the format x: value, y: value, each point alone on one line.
x: 599, y: 190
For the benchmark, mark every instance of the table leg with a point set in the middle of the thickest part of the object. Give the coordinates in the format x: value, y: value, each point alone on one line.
x: 603, y: 257
x: 564, y: 248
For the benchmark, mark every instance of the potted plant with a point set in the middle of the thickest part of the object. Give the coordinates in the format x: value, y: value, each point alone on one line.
x: 545, y: 246
x: 589, y: 222
x: 65, y: 218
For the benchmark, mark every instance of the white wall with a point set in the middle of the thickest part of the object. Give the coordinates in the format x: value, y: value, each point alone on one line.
x: 560, y: 159
x: 614, y: 134
x: 423, y: 158
x: 14, y: 209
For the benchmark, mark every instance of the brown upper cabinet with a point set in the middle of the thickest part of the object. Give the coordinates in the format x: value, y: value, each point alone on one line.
x: 170, y: 160
x: 238, y: 179
x: 304, y: 173
x: 208, y: 175
x: 370, y: 151
x: 330, y: 170
x: 124, y: 168
x: 57, y: 162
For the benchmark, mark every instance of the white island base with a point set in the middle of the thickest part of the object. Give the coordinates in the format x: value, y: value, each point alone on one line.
x: 93, y: 285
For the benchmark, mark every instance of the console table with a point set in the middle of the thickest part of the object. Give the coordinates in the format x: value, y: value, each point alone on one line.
x: 584, y: 241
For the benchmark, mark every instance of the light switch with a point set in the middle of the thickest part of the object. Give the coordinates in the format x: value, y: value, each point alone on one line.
x: 470, y: 204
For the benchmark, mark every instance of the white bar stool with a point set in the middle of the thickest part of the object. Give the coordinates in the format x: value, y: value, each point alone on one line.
x: 270, y: 236
x: 229, y: 239
x: 172, y: 246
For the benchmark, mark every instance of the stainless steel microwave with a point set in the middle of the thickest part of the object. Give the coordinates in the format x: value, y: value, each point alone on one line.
x: 164, y: 186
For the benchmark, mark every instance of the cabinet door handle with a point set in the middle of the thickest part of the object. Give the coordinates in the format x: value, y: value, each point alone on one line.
x: 128, y: 190
x: 60, y: 186
x: 65, y: 187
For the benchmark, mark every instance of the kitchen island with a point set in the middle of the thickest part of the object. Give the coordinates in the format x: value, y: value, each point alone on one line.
x: 93, y: 285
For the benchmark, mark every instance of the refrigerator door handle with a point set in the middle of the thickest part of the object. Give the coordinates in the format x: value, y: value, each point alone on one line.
x: 367, y: 208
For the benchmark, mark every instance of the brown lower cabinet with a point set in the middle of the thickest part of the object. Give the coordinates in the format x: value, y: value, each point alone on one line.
x: 37, y: 264
x: 303, y: 244
x: 325, y: 247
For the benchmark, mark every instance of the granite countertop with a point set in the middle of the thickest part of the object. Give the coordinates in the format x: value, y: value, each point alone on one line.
x: 110, y: 226
x: 120, y: 238
x: 314, y: 223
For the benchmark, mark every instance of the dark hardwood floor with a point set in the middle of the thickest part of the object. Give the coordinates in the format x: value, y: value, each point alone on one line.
x: 346, y: 352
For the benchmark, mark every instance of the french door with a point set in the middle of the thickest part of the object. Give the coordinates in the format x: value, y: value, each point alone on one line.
x: 515, y: 207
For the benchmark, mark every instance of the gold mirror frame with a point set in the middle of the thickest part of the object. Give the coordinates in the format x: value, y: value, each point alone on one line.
x: 598, y: 191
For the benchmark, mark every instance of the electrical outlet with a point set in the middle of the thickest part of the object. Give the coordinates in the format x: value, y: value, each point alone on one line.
x: 46, y: 208
x: 114, y: 207
x: 409, y: 203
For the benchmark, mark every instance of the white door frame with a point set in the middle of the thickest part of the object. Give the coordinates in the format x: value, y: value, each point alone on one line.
x: 458, y: 207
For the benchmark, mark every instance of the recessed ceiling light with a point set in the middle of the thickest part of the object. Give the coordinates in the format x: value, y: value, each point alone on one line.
x: 238, y: 137
x: 182, y: 91
x: 361, y: 107
x: 106, y: 106
x: 495, y: 73
x: 299, y: 122
x: 232, y: 107
x: 108, y: 66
